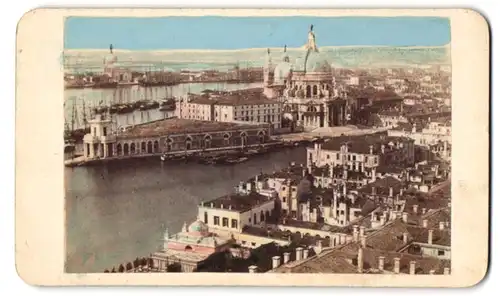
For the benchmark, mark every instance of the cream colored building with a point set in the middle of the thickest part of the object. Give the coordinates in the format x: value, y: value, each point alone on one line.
x: 432, y: 134
x: 250, y: 107
x: 231, y: 213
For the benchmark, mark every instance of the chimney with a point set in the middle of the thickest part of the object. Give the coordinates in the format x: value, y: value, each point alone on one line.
x: 371, y: 149
x: 401, y: 192
x: 252, y: 269
x: 396, y: 265
x: 382, y: 219
x: 374, y: 176
x: 424, y: 223
x: 363, y: 241
x: 374, y: 190
x: 298, y: 254
x: 446, y: 271
x: 415, y: 209
x: 424, y: 210
x: 355, y: 233
x: 405, y: 217
x: 391, y: 191
x: 286, y: 258
x: 381, y: 263
x: 360, y: 260
x: 382, y: 148
x: 412, y: 267
x: 429, y: 238
x: 306, y: 253
x: 432, y: 271
x: 441, y: 225
x: 276, y: 261
x: 374, y: 218
x: 362, y: 230
x: 405, y: 237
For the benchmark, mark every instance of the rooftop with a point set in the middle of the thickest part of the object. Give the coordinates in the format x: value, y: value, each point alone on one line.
x: 171, y: 126
x: 238, y: 202
x: 361, y: 144
x: 234, y: 98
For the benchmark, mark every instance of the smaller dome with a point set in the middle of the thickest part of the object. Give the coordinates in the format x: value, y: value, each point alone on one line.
x: 198, y: 227
x: 281, y: 72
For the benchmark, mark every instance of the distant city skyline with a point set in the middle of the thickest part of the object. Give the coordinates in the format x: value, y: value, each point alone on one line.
x: 232, y: 33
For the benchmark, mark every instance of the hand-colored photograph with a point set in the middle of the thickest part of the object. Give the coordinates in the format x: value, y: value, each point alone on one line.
x: 285, y: 144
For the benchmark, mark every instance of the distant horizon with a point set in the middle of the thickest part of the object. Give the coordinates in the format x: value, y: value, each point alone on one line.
x: 216, y: 33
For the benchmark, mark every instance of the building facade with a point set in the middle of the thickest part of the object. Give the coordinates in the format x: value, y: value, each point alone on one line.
x: 169, y: 136
x: 306, y: 88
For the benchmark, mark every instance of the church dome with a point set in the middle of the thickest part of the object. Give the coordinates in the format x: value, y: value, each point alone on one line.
x: 281, y: 72
x: 198, y: 227
x: 313, y: 61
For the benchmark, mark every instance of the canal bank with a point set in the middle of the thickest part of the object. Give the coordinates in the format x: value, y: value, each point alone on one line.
x: 119, y: 210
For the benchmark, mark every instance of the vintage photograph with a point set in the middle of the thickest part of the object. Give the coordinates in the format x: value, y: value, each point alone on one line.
x: 263, y: 144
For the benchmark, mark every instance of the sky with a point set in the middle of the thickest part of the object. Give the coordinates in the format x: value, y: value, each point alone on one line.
x: 229, y: 33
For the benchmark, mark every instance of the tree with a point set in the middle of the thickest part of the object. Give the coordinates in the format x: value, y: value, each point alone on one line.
x: 144, y: 261
x: 129, y: 266
x: 121, y: 268
x: 150, y: 262
x: 113, y: 270
x: 136, y: 262
x: 106, y: 271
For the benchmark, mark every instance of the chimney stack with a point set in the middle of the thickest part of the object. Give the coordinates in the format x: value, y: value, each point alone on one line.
x: 391, y: 191
x: 374, y: 190
x: 355, y: 233
x: 382, y: 148
x: 374, y: 176
x: 424, y: 223
x: 371, y: 149
x: 415, y: 209
x: 286, y: 258
x: 396, y: 265
x: 429, y: 239
x: 360, y: 260
x: 412, y: 267
x: 363, y: 241
x: 424, y: 210
x: 381, y: 263
x: 298, y: 254
x: 361, y: 230
x: 441, y: 225
x: 446, y: 271
x: 401, y: 192
x: 252, y: 269
x: 276, y: 261
x: 405, y: 217
x: 405, y: 237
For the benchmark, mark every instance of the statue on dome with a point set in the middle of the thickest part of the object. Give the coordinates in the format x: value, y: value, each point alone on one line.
x: 311, y: 41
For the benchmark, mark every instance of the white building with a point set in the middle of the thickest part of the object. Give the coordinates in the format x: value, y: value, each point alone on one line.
x: 232, y: 212
x: 306, y: 87
x: 243, y: 106
x: 432, y: 134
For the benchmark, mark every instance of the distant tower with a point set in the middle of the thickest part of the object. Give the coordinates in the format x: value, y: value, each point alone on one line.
x: 268, y: 69
x: 268, y: 75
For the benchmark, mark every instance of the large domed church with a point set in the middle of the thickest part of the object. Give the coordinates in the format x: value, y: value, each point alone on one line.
x: 306, y: 87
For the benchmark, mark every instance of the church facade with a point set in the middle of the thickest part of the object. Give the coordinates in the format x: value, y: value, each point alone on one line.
x: 306, y: 88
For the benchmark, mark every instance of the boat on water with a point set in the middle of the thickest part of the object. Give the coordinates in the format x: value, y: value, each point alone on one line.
x: 111, y: 84
x: 235, y: 160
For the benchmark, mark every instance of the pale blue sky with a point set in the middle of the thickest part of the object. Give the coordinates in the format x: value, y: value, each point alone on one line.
x: 214, y: 32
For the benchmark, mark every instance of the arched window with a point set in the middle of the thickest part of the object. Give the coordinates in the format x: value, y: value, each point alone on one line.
x: 308, y: 91
x: 119, y: 149
x: 143, y: 147
x: 207, y: 141
x: 150, y: 147
x: 254, y: 218
x: 315, y: 90
x: 262, y: 217
x: 125, y: 149
x: 169, y: 144
x: 156, y: 147
x: 226, y: 139
x: 132, y: 148
x: 262, y: 137
x: 243, y: 139
x: 188, y: 143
